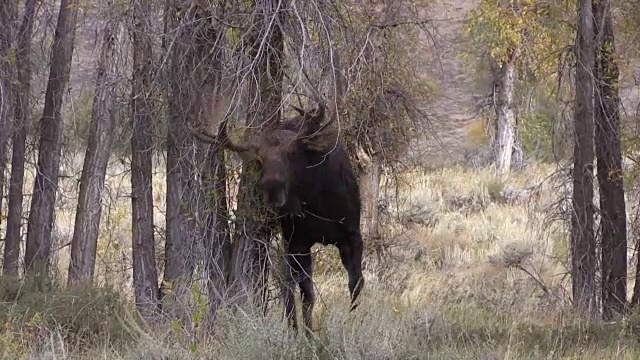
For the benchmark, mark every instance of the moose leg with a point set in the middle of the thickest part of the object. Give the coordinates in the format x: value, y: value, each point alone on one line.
x: 290, y: 281
x: 351, y: 256
x: 307, y: 292
x: 297, y: 265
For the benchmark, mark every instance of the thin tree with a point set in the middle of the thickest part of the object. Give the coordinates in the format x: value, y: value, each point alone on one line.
x: 218, y: 239
x: 215, y: 225
x: 253, y: 228
x: 613, y: 215
x: 41, y: 215
x: 101, y: 130
x: 145, y: 273
x: 184, y: 226
x: 504, y: 141
x: 583, y: 249
x: 197, y: 227
x: 7, y: 66
x: 213, y: 220
x: 22, y: 112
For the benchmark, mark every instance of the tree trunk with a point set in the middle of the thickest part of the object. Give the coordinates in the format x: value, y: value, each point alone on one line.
x: 517, y: 156
x: 89, y: 209
x: 583, y: 249
x: 253, y: 228
x: 505, y: 136
x: 180, y: 217
x: 613, y: 223
x: 214, y: 211
x: 7, y: 91
x: 182, y: 225
x: 370, y: 168
x: 253, y: 232
x: 218, y: 240
x: 145, y: 273
x: 41, y: 215
x: 22, y: 113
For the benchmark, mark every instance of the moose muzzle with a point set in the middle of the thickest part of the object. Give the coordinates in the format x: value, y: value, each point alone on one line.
x: 275, y: 192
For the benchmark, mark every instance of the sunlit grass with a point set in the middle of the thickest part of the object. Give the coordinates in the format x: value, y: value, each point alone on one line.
x: 466, y: 270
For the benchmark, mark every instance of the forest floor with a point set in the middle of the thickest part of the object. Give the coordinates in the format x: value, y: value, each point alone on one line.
x: 466, y: 270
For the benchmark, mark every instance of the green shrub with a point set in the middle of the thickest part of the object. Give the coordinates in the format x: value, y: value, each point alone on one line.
x: 536, y: 133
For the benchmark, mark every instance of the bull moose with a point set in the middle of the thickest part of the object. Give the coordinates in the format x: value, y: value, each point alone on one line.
x: 308, y: 181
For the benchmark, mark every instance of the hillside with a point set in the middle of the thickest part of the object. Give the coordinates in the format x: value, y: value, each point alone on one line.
x: 457, y: 85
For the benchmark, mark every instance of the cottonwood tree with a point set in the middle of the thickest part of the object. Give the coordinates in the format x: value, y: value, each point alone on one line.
x: 613, y: 216
x: 260, y: 65
x: 22, y: 113
x: 145, y: 273
x: 197, y: 229
x: 211, y: 166
x: 217, y: 237
x: 7, y: 65
x: 253, y: 226
x: 181, y: 22
x: 516, y: 38
x: 41, y: 214
x: 101, y: 132
x: 626, y: 25
x: 583, y: 248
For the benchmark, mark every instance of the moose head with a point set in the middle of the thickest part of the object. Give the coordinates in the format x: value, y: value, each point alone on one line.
x: 282, y: 150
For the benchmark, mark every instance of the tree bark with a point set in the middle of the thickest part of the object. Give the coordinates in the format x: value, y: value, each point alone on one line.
x: 41, y: 215
x: 613, y: 223
x: 517, y: 156
x: 505, y: 137
x: 183, y: 228
x: 583, y: 249
x: 253, y: 232
x: 180, y: 219
x: 21, y: 117
x: 214, y: 212
x: 253, y: 228
x: 145, y: 273
x: 370, y: 167
x: 218, y: 239
x: 88, y: 212
x: 7, y: 92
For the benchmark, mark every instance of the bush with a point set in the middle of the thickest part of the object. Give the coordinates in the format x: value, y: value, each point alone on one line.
x: 31, y: 313
x: 536, y: 132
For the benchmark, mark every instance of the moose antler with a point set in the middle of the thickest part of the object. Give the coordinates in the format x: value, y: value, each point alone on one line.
x: 219, y: 105
x: 311, y: 121
x: 300, y: 111
x: 313, y: 131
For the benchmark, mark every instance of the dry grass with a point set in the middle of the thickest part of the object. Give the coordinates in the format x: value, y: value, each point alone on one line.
x: 466, y: 270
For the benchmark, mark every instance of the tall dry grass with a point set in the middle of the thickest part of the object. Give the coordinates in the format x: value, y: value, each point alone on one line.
x: 468, y: 268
